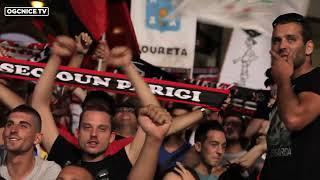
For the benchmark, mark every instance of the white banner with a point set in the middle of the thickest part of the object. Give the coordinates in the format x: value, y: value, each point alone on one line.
x: 247, y: 57
x: 246, y: 60
x: 247, y: 14
x: 163, y: 42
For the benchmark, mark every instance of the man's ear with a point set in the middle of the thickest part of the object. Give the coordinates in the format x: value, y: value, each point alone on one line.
x: 197, y: 146
x: 309, y: 48
x: 38, y: 138
x: 112, y: 137
x: 76, y: 133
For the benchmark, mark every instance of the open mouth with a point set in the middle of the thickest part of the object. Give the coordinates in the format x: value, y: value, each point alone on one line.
x: 92, y: 143
x: 13, y: 138
x: 284, y: 56
x: 125, y: 118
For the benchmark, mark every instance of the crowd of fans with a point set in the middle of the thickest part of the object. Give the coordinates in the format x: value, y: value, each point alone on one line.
x: 55, y: 132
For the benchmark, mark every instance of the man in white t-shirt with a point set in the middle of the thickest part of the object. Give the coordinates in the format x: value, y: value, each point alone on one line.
x: 21, y: 135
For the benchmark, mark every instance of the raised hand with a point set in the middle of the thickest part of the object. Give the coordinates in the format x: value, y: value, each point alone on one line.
x: 3, y: 52
x: 281, y: 67
x: 63, y: 46
x: 155, y: 121
x: 183, y: 172
x: 218, y: 170
x: 83, y: 42
x: 117, y: 56
x: 120, y: 56
x: 102, y: 51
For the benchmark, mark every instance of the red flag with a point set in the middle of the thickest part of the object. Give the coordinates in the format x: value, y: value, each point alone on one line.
x: 120, y: 29
x: 93, y: 15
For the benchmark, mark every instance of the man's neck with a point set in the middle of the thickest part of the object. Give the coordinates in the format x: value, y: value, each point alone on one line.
x: 234, y: 147
x: 304, y: 69
x: 90, y: 158
x: 203, y: 169
x: 20, y: 165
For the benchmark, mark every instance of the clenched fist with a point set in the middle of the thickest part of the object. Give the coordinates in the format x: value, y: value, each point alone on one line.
x: 155, y: 121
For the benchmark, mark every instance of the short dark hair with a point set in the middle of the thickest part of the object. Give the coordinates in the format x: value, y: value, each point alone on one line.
x: 99, y: 98
x: 229, y: 112
x: 31, y: 111
x: 95, y: 107
x: 295, y: 18
x: 204, y: 128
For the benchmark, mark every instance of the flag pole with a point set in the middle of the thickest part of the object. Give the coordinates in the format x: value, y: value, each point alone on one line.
x: 100, y: 60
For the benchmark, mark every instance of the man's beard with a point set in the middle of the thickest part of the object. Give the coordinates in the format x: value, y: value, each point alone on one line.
x: 300, y: 59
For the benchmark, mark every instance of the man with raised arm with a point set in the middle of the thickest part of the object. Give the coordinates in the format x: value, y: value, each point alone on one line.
x: 95, y: 128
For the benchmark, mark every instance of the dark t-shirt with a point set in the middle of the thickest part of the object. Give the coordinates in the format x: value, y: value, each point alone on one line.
x: 118, y: 137
x: 116, y: 167
x: 168, y: 160
x: 294, y: 155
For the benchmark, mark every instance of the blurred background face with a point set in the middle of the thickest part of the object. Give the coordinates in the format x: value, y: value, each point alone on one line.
x: 20, y: 134
x: 232, y: 127
x: 95, y: 132
x: 125, y: 116
x: 213, y: 148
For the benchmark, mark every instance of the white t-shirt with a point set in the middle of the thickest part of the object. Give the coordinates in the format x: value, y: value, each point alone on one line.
x: 43, y: 169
